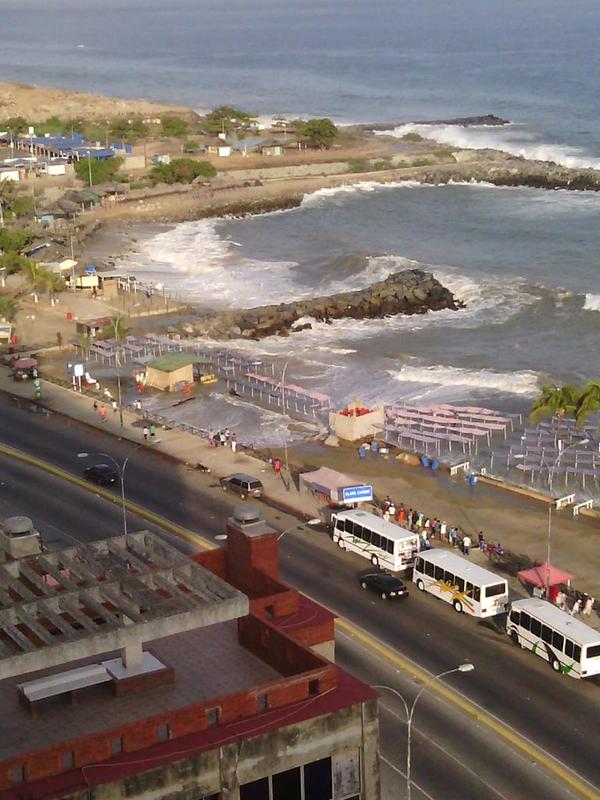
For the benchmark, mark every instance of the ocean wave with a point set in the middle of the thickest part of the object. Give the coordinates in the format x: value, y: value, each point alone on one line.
x: 522, y: 383
x: 514, y: 139
x: 592, y: 302
x: 362, y: 187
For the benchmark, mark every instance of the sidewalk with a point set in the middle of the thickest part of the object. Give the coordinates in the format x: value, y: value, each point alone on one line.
x: 519, y: 523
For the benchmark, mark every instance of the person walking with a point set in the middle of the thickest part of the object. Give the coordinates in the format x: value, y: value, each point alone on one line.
x: 386, y: 515
x: 95, y: 405
x: 233, y: 442
x: 443, y: 530
x: 277, y: 466
x: 588, y: 605
x: 146, y: 432
x: 561, y: 600
x: 102, y: 412
x: 114, y: 406
x: 466, y: 543
x: 453, y: 536
x: 481, y: 540
x: 576, y: 607
x: 152, y: 430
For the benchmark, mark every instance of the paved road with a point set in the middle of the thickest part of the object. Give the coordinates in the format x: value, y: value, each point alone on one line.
x: 558, y: 714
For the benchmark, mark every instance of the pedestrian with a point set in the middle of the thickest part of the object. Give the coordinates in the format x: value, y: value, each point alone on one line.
x: 152, y: 430
x: 362, y: 453
x: 437, y: 527
x: 561, y: 600
x: 588, y: 605
x: 386, y: 515
x: 481, y: 540
x: 277, y: 466
x: 453, y: 536
x: 387, y: 502
x: 443, y: 530
x: 576, y: 607
x: 420, y: 519
x: 114, y: 406
x: 95, y: 405
x: 401, y: 515
x: 146, y: 432
x: 233, y: 443
x: 102, y: 412
x: 466, y: 545
x: 392, y: 511
x: 424, y: 541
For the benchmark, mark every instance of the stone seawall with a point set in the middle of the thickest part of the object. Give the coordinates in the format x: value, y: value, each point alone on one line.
x: 408, y: 292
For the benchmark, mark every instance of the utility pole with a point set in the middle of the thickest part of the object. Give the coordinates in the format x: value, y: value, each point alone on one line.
x: 90, y: 168
x: 1, y: 216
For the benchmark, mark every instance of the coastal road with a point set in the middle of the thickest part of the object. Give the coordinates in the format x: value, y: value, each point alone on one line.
x: 558, y: 714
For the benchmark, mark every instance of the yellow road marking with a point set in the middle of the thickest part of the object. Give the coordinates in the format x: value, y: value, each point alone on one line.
x: 150, y: 516
x: 454, y: 698
x: 470, y: 709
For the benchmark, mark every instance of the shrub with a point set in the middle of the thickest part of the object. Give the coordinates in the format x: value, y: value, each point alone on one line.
x: 358, y: 165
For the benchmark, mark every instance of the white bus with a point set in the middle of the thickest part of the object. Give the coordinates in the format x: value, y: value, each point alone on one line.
x: 384, y: 543
x: 470, y: 588
x: 569, y: 645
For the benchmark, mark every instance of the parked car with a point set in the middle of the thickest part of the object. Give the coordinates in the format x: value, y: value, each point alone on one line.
x: 387, y: 586
x: 102, y: 475
x: 244, y: 485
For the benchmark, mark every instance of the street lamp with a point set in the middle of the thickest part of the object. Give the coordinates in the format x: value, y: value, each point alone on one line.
x: 121, y: 470
x: 312, y: 522
x: 285, y: 447
x: 551, y: 471
x: 468, y: 667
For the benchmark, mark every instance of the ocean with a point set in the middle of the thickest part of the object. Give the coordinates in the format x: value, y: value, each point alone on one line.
x: 525, y: 261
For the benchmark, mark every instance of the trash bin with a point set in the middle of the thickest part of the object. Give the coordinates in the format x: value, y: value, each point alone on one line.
x: 472, y: 479
x: 374, y: 446
x: 70, y: 315
x: 425, y: 461
x: 435, y: 464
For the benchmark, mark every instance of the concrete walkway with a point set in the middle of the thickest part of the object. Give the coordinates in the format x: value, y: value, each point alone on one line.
x: 521, y: 524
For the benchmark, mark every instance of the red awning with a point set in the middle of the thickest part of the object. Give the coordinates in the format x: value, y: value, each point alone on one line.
x: 544, y: 575
x: 25, y: 363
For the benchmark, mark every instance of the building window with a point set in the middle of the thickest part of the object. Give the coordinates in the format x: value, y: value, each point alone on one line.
x: 17, y: 774
x: 256, y: 790
x: 317, y: 780
x: 68, y: 760
x: 286, y: 785
x: 164, y: 733
x: 213, y: 716
x: 116, y: 746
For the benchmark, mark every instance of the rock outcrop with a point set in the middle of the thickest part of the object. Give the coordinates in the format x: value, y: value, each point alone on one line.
x: 409, y: 292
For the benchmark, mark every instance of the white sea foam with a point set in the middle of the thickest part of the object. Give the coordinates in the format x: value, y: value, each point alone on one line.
x: 523, y: 383
x: 592, y: 302
x: 204, y: 267
x: 363, y: 187
x: 513, y: 139
x: 337, y: 351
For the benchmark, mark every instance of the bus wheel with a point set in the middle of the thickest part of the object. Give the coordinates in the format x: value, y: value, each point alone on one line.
x: 457, y: 606
x: 514, y: 637
x: 420, y: 585
x: 375, y: 561
x: 555, y: 664
x: 341, y: 544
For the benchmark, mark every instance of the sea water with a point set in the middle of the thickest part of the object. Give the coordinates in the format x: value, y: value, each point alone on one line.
x: 525, y: 261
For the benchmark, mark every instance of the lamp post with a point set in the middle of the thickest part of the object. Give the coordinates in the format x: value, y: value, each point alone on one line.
x: 285, y: 447
x: 551, y: 471
x: 299, y: 525
x: 411, y: 711
x: 120, y: 467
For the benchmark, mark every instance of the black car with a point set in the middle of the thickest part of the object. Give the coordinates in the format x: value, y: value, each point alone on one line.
x: 102, y: 475
x: 387, y: 586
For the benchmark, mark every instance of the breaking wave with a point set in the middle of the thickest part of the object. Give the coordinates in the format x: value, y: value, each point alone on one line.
x: 522, y: 383
x: 592, y: 302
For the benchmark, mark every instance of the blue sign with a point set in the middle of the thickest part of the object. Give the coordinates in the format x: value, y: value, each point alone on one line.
x: 356, y: 494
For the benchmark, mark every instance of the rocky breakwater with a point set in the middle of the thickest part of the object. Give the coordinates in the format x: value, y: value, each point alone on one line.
x: 409, y: 292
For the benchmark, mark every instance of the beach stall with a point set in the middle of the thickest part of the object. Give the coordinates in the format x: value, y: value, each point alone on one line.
x: 25, y: 369
x: 332, y: 486
x: 166, y: 372
x: 357, y: 422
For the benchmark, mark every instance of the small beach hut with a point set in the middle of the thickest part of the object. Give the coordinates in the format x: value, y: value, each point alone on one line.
x: 167, y: 371
x: 327, y: 482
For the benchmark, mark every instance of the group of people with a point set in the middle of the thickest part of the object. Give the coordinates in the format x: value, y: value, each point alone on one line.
x: 224, y: 438
x: 581, y: 603
x: 430, y: 527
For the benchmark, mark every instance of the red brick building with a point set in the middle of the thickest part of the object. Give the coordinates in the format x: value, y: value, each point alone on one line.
x: 189, y: 679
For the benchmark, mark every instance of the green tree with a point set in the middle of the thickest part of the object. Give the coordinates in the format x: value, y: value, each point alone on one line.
x: 35, y: 277
x: 84, y: 342
x: 13, y: 262
x: 182, y: 170
x: 174, y: 127
x: 13, y: 241
x: 8, y: 308
x: 118, y: 330
x: 119, y: 128
x: 589, y: 402
x: 101, y: 170
x: 16, y: 125
x: 138, y: 130
x: 228, y: 119
x: 320, y: 132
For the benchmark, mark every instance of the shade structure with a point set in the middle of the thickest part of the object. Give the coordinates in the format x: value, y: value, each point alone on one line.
x: 544, y: 575
x: 25, y: 363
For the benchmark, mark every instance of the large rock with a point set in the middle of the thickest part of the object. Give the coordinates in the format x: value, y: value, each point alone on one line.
x: 408, y: 292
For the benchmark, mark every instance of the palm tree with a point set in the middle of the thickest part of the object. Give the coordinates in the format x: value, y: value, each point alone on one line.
x: 559, y: 400
x: 84, y: 342
x: 118, y: 330
x: 48, y: 282
x: 34, y: 276
x: 8, y: 308
x: 589, y: 401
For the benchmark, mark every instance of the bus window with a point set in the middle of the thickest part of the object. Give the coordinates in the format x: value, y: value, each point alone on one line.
x: 375, y: 539
x: 525, y: 621
x: 460, y: 583
x: 438, y: 573
x: 469, y: 589
x: 577, y: 652
x: 365, y: 534
x: 429, y: 569
x: 546, y: 634
x: 496, y: 589
x: 514, y: 617
x: 389, y: 545
x: 558, y: 640
x: 339, y: 524
x: 536, y: 627
x: 569, y: 648
x: 593, y: 651
x: 418, y: 561
x: 349, y: 527
x: 477, y: 593
x: 449, y: 577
